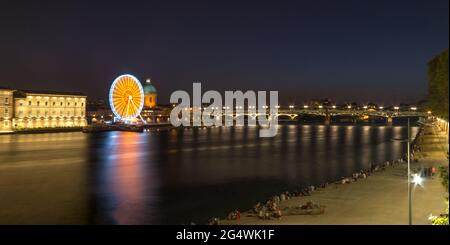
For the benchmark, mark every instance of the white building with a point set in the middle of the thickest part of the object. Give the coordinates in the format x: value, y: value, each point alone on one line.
x: 40, y: 109
x: 6, y: 109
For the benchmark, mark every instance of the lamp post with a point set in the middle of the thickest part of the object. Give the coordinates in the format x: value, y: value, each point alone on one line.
x: 409, y: 177
x: 409, y: 173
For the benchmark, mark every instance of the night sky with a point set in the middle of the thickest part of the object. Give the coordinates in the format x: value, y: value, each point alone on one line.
x: 371, y: 50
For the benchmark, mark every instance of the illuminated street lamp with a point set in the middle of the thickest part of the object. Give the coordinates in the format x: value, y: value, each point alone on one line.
x: 349, y: 107
x: 320, y: 106
x: 417, y: 180
x: 396, y: 108
x: 334, y: 107
x: 365, y: 107
x: 381, y: 108
x: 305, y: 106
x: 409, y: 173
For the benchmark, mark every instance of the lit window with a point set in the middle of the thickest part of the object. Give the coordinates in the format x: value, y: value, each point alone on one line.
x: 6, y: 100
x: 29, y: 102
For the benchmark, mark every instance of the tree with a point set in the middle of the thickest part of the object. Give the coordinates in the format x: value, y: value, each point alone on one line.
x: 438, y: 85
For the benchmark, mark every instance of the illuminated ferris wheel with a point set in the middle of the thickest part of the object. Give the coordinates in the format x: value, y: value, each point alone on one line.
x: 126, y: 97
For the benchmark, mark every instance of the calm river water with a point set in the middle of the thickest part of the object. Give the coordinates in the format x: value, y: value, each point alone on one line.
x: 175, y: 176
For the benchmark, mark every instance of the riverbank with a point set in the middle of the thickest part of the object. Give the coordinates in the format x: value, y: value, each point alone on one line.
x: 380, y: 198
x: 43, y: 130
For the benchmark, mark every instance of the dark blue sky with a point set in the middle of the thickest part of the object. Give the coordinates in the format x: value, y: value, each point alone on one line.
x: 349, y: 50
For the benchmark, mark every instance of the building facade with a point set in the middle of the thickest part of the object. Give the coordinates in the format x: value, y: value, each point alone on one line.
x: 35, y: 109
x: 150, y: 95
x: 6, y: 109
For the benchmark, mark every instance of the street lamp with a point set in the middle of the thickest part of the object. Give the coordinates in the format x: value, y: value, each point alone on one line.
x: 409, y: 174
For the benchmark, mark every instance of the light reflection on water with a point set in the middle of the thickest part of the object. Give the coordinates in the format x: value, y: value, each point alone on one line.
x: 182, y: 175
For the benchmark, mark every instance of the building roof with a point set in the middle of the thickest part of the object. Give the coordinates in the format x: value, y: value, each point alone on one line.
x: 26, y: 91
x: 6, y: 88
x: 148, y: 87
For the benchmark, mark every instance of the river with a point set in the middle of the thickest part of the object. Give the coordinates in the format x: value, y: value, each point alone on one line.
x: 175, y: 176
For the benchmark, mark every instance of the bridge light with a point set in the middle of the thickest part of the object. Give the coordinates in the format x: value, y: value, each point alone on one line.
x: 413, y: 108
x: 396, y: 107
x: 291, y: 107
x: 305, y: 106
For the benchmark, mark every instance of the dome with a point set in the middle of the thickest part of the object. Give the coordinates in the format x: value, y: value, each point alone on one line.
x: 148, y: 87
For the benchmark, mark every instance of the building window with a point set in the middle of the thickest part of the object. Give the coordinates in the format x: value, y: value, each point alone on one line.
x: 61, y: 104
x: 46, y: 103
x: 151, y: 99
x: 37, y: 103
x: 6, y: 112
x: 6, y: 123
x: 68, y: 103
x: 82, y: 104
x: 6, y: 100
x: 76, y: 103
x: 29, y: 102
x: 54, y: 103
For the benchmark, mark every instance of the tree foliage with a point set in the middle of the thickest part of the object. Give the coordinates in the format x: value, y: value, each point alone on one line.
x: 438, y: 85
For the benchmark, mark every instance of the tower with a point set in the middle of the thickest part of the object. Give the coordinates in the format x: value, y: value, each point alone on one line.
x: 149, y: 94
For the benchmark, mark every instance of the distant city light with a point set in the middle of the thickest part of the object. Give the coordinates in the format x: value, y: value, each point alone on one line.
x: 334, y: 107
x: 305, y: 106
x: 320, y: 107
x: 365, y: 107
x: 278, y: 107
x: 413, y: 108
x: 396, y: 108
x: 291, y: 107
x: 381, y: 108
x: 349, y: 107
x: 429, y: 112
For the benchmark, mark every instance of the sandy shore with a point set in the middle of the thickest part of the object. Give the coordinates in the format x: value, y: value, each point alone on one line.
x: 379, y: 199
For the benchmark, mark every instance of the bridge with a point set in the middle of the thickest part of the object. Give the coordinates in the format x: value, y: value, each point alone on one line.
x: 292, y: 114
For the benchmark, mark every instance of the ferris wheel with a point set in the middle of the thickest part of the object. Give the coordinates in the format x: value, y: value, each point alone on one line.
x: 126, y: 97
